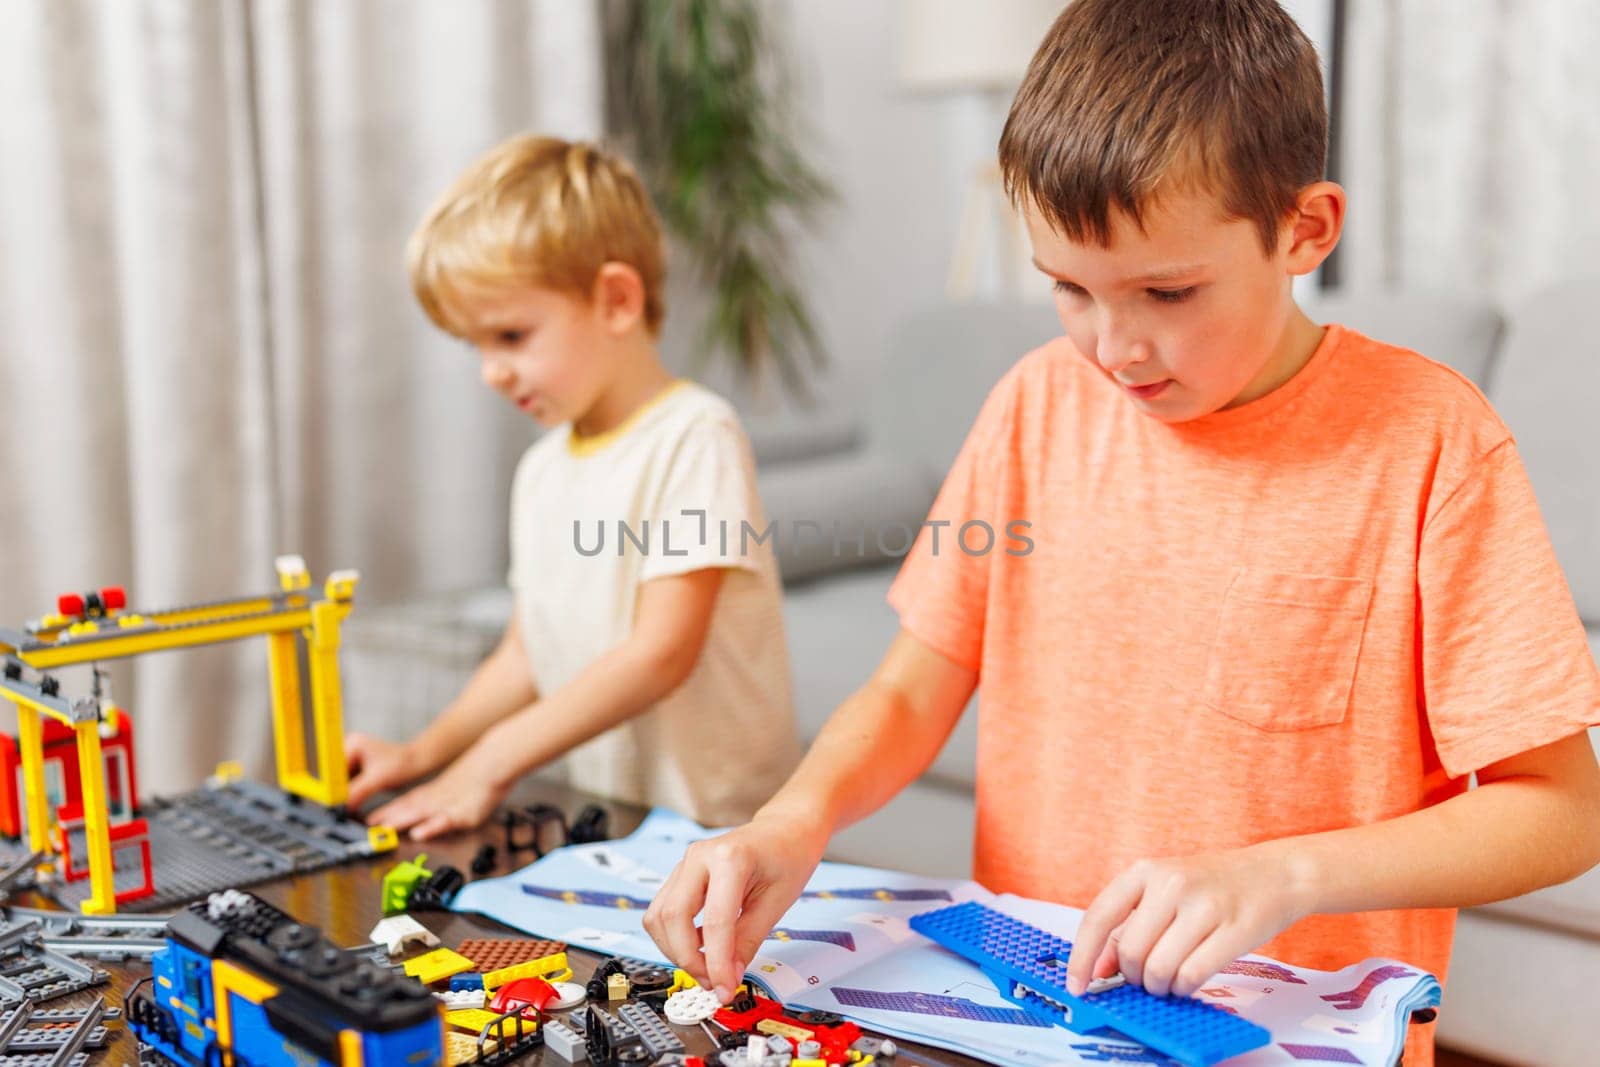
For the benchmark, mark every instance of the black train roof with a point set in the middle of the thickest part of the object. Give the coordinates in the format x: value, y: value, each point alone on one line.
x: 243, y: 928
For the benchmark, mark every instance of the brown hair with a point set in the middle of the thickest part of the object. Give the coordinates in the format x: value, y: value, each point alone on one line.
x: 1127, y: 97
x: 536, y: 211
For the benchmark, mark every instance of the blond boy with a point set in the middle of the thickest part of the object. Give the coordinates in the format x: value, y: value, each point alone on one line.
x: 642, y: 646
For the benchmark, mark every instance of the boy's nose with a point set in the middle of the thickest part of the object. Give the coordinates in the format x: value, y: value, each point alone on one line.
x: 496, y: 375
x: 1115, y: 352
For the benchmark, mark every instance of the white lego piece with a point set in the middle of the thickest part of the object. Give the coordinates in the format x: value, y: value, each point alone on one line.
x: 1100, y: 985
x: 398, y: 931
x: 689, y: 1007
x: 568, y: 995
x: 460, y: 999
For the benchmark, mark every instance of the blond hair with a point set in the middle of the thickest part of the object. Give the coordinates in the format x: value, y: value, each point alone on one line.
x: 1125, y: 98
x: 536, y: 211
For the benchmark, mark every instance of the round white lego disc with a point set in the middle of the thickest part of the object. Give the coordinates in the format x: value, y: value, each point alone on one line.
x: 568, y: 995
x: 688, y: 1007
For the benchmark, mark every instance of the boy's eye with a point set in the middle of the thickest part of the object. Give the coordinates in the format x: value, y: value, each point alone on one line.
x: 510, y: 337
x: 1172, y: 296
x: 1068, y: 288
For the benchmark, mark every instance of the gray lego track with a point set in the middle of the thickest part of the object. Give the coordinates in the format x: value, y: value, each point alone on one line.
x: 29, y: 971
x: 228, y: 836
x: 21, y: 1045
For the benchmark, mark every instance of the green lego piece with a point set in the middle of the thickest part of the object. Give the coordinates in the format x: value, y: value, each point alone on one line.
x: 400, y: 882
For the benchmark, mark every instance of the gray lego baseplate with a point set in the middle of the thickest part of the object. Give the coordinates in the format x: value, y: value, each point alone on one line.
x: 225, y: 836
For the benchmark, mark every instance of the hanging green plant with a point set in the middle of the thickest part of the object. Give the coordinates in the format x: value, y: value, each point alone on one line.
x: 695, y: 89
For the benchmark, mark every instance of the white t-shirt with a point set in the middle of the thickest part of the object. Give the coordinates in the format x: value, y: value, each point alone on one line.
x: 670, y: 491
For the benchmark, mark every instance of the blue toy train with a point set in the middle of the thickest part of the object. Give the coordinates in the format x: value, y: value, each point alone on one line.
x: 242, y: 982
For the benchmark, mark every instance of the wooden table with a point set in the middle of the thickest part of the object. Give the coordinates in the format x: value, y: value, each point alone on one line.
x: 345, y: 903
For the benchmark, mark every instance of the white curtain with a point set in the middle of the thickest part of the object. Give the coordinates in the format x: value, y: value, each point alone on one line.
x: 1473, y: 144
x: 208, y: 349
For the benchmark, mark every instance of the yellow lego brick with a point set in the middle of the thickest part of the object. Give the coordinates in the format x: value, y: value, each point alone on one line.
x: 682, y: 980
x: 437, y: 965
x: 773, y: 1026
x: 552, y: 968
x: 462, y: 1049
x: 474, y: 1019
x: 341, y: 585
x: 228, y: 771
x: 808, y: 1063
x: 617, y: 987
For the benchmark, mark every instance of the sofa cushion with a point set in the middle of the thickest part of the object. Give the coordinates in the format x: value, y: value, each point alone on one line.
x: 927, y: 828
x: 1521, y: 994
x: 1545, y: 385
x: 838, y: 629
x: 940, y: 366
x: 1460, y: 333
x: 795, y: 438
x: 843, y: 511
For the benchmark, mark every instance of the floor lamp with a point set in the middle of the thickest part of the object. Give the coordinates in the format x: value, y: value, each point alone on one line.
x: 955, y: 47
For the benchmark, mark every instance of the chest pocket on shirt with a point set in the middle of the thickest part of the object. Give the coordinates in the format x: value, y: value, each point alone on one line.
x: 1284, y: 654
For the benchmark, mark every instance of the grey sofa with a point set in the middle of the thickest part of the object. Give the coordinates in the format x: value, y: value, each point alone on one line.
x: 1525, y: 970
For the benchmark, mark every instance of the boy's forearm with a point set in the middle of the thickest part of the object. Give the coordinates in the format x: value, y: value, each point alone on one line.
x: 1505, y: 838
x: 623, y: 683
x: 870, y: 749
x: 502, y: 685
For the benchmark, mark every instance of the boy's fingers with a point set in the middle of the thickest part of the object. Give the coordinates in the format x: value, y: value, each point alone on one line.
x: 762, y: 911
x: 432, y: 826
x: 1172, y: 950
x: 401, y: 813
x: 360, y: 790
x: 670, y: 918
x: 1106, y: 965
x: 720, y: 923
x: 1115, y: 902
x: 1208, y: 958
x: 1151, y: 918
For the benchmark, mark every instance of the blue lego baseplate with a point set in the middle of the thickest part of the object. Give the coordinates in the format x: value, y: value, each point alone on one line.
x: 1013, y: 953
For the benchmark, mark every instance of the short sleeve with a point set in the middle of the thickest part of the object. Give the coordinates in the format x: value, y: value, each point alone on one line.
x: 1505, y: 662
x: 707, y: 512
x: 942, y: 590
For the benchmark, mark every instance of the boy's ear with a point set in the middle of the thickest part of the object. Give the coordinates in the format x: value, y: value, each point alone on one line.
x: 1315, y: 226
x: 618, y: 296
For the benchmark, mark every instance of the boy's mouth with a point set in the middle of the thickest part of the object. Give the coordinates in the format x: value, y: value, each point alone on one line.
x: 1147, y: 392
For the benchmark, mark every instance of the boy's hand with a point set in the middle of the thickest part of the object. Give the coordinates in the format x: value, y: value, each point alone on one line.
x: 463, y: 796
x: 376, y: 765
x: 1171, y: 924
x: 742, y: 882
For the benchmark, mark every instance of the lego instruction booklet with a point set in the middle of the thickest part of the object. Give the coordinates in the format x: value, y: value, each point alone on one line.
x: 846, y: 947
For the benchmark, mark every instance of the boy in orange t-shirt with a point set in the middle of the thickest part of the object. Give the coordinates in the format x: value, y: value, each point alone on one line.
x: 1283, y: 588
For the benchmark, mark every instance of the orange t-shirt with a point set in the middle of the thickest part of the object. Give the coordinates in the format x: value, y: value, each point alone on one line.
x: 1320, y: 609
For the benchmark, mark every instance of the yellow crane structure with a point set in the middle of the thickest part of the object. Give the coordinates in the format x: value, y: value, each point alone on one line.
x: 61, y: 640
